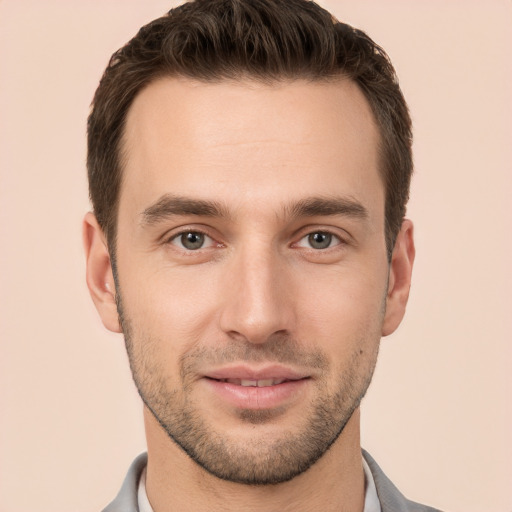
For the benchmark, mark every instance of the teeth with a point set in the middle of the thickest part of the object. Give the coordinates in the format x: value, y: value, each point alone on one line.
x: 262, y: 383
x: 265, y: 382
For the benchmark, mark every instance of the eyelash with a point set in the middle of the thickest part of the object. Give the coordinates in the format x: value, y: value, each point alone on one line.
x: 339, y: 241
x: 332, y: 237
x: 183, y: 232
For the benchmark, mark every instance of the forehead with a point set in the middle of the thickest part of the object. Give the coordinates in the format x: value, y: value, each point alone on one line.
x: 249, y: 141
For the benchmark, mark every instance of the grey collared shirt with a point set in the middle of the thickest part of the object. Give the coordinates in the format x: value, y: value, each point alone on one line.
x: 371, y: 500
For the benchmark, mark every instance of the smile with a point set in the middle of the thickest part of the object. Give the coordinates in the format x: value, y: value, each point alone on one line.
x: 261, y: 383
x: 246, y: 388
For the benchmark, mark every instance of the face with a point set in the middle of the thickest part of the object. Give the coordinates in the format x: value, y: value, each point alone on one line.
x: 252, y: 276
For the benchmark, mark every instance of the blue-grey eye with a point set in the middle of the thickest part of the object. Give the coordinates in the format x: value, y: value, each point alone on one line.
x: 319, y: 240
x: 190, y: 240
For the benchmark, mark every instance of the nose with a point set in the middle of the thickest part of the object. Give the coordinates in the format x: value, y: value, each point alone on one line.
x: 258, y: 302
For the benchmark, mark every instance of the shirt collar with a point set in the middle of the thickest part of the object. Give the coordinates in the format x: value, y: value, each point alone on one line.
x: 371, y: 499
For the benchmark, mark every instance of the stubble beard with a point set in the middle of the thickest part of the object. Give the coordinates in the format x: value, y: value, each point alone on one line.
x: 256, y: 460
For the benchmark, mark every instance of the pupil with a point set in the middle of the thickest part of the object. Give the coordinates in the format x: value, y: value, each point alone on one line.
x: 192, y: 240
x: 320, y: 240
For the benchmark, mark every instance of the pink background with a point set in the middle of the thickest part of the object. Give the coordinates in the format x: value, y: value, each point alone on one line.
x: 438, y: 417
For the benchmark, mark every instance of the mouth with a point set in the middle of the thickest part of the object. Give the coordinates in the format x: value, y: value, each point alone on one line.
x: 255, y: 383
x: 245, y: 388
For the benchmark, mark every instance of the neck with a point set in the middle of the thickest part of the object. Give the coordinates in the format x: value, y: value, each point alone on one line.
x: 174, y: 482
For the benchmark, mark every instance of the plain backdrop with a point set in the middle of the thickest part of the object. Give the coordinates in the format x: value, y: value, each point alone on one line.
x: 438, y: 416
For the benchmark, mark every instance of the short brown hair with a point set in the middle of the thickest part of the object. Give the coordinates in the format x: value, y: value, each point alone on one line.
x: 212, y: 40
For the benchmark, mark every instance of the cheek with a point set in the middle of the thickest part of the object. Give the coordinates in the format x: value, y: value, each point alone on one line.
x: 175, y: 307
x: 345, y: 308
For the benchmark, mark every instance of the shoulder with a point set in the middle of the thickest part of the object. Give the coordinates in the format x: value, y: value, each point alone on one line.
x: 391, y: 499
x: 126, y: 500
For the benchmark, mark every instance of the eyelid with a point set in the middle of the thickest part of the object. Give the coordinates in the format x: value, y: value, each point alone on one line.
x: 340, y: 234
x: 335, y: 237
x: 176, y: 240
x: 170, y: 236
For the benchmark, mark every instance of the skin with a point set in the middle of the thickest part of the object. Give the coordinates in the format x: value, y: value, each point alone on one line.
x: 259, y: 290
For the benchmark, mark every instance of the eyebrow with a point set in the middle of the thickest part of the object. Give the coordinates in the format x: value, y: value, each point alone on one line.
x: 170, y: 205
x: 328, y: 206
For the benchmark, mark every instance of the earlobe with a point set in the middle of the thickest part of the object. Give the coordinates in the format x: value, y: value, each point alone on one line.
x: 100, y: 280
x: 399, y: 278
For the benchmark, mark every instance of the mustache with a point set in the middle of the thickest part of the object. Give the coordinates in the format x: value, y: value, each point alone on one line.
x: 279, y: 349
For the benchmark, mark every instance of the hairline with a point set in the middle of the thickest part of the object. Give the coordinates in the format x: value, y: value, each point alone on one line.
x: 244, y: 77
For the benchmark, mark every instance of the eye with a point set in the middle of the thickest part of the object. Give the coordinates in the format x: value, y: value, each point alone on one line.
x: 192, y: 240
x: 319, y: 240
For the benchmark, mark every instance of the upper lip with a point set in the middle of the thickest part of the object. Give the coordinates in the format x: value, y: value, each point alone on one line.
x: 277, y: 372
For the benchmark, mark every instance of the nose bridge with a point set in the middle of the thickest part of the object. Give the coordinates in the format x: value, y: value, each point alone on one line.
x: 257, y: 303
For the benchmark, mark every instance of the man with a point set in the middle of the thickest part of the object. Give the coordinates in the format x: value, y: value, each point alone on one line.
x: 249, y: 167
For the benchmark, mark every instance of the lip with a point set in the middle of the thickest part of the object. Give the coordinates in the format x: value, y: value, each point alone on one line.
x: 252, y: 373
x: 253, y: 397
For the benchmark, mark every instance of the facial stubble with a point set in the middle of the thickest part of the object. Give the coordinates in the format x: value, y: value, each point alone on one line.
x: 262, y: 459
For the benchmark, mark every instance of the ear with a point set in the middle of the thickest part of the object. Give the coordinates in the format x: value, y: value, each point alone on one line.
x: 100, y: 279
x: 399, y: 278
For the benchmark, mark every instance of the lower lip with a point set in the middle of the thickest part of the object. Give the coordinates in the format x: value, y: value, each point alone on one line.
x: 252, y: 397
